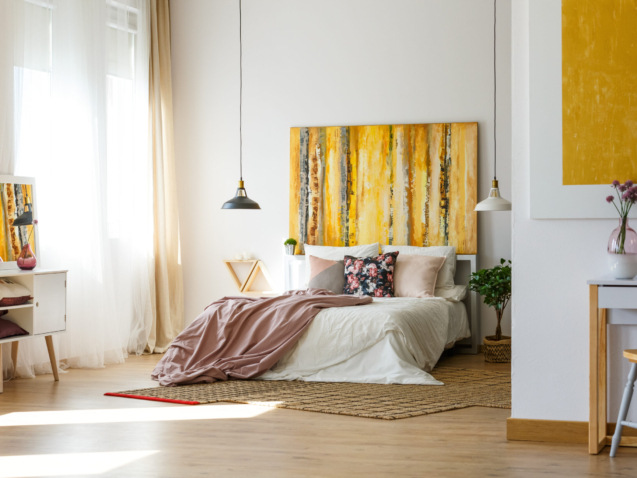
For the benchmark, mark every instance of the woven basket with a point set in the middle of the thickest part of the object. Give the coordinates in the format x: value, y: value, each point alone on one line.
x: 497, y: 351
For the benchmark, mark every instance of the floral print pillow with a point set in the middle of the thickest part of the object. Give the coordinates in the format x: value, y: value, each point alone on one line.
x: 370, y: 276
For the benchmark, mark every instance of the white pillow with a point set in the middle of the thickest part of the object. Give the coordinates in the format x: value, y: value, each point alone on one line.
x: 448, y: 270
x: 336, y: 254
x: 10, y: 289
x: 456, y: 294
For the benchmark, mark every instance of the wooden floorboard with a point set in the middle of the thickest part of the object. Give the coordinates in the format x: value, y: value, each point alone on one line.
x: 42, y: 417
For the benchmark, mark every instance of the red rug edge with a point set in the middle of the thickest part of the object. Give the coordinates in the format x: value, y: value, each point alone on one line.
x: 152, y: 399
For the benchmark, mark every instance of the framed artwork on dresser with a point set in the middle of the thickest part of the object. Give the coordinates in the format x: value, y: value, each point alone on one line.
x: 18, y: 216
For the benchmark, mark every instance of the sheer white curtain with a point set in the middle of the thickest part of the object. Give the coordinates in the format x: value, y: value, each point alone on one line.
x: 80, y: 127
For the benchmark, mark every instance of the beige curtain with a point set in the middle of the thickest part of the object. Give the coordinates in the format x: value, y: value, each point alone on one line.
x: 168, y: 319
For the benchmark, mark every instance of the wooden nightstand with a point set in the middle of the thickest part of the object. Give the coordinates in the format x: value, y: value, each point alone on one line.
x: 43, y: 316
x: 256, y: 266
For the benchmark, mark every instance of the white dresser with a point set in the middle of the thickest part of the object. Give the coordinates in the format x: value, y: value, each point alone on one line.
x: 43, y: 316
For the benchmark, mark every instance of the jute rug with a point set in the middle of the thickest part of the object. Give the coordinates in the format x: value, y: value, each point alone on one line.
x: 462, y: 388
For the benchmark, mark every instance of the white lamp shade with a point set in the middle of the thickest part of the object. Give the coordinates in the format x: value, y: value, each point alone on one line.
x: 494, y: 202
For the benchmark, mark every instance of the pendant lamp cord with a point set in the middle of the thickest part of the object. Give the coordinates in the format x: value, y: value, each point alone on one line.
x: 495, y: 98
x: 240, y: 97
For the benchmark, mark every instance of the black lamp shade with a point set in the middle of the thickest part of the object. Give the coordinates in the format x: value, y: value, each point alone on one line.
x: 24, y: 219
x: 241, y: 200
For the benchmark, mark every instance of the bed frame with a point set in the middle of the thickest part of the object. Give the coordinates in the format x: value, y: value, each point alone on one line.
x: 466, y: 264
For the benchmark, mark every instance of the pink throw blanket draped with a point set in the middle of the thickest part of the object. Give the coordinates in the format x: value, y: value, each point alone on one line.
x: 241, y: 337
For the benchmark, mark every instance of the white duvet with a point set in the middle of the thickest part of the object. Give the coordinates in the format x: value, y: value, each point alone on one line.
x: 393, y: 340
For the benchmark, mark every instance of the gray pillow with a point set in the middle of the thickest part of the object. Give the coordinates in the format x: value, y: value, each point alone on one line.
x: 328, y: 275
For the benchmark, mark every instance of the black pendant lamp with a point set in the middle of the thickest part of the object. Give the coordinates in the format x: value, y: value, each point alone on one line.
x: 26, y: 218
x: 241, y: 200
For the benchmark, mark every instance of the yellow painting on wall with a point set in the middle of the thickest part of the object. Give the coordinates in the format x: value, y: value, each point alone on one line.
x: 599, y: 91
x: 410, y: 184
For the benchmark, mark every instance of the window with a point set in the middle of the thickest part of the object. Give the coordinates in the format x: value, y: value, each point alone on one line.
x: 121, y: 46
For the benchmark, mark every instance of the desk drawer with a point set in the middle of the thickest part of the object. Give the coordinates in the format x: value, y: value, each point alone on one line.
x: 617, y: 297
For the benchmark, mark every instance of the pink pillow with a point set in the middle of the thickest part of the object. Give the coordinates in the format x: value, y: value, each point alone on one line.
x: 415, y: 276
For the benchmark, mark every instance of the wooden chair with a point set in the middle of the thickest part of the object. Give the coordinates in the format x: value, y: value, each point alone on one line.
x: 631, y: 355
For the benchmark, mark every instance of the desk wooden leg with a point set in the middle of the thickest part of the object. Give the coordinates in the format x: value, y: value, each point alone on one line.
x: 593, y: 417
x: 54, y: 365
x: 602, y: 390
x: 14, y: 356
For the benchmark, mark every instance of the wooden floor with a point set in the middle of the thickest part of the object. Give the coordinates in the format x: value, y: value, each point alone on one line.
x: 68, y: 428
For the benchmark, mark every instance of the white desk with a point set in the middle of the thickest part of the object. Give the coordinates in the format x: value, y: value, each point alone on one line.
x: 605, y: 294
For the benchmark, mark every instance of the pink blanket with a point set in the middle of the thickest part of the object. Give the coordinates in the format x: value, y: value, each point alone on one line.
x: 240, y: 337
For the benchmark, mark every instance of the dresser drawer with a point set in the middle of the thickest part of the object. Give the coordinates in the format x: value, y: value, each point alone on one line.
x: 613, y: 297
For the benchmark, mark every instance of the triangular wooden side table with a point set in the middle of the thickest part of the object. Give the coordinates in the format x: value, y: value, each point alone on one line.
x: 240, y: 285
x: 244, y: 287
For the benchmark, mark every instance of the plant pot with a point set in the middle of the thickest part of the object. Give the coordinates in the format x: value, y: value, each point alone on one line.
x: 497, y: 351
x: 289, y: 249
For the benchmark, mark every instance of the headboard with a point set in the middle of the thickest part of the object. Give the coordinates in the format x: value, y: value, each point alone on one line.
x: 406, y: 184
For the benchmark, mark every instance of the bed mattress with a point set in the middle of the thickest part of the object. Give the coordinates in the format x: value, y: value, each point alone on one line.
x: 392, y: 340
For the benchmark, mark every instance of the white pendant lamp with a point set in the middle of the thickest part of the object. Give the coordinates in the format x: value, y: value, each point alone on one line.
x: 494, y: 202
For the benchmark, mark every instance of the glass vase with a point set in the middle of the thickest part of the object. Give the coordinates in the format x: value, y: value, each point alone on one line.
x: 622, y: 251
x: 26, y: 260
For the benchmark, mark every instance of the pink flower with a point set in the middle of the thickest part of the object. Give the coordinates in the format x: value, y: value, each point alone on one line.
x: 348, y: 262
x: 350, y: 279
x: 389, y: 259
x: 35, y: 221
x: 378, y: 293
x: 372, y: 270
x: 390, y: 277
x: 354, y: 284
x: 615, y: 183
x: 622, y: 187
x: 628, y: 183
x: 609, y: 199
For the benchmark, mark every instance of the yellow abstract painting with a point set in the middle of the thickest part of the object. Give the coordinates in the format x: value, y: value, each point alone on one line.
x: 599, y: 91
x: 413, y: 184
x: 15, y: 199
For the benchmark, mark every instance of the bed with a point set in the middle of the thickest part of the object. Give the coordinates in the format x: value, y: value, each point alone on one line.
x: 392, y: 340
x: 363, y: 200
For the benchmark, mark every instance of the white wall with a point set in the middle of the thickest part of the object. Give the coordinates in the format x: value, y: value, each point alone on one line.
x: 553, y: 258
x: 310, y: 63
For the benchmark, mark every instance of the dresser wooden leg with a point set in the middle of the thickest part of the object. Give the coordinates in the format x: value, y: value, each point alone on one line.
x: 54, y: 365
x: 14, y: 356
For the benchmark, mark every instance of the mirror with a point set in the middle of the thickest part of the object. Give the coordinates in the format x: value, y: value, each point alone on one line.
x: 17, y: 216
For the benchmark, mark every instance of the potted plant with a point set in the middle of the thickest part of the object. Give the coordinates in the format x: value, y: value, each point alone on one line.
x: 290, y: 244
x: 494, y: 285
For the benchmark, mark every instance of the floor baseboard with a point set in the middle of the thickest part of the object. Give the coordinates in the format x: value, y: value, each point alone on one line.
x: 554, y: 431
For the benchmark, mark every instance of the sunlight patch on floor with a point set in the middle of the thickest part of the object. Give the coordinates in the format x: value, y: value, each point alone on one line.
x: 124, y: 415
x: 67, y: 464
